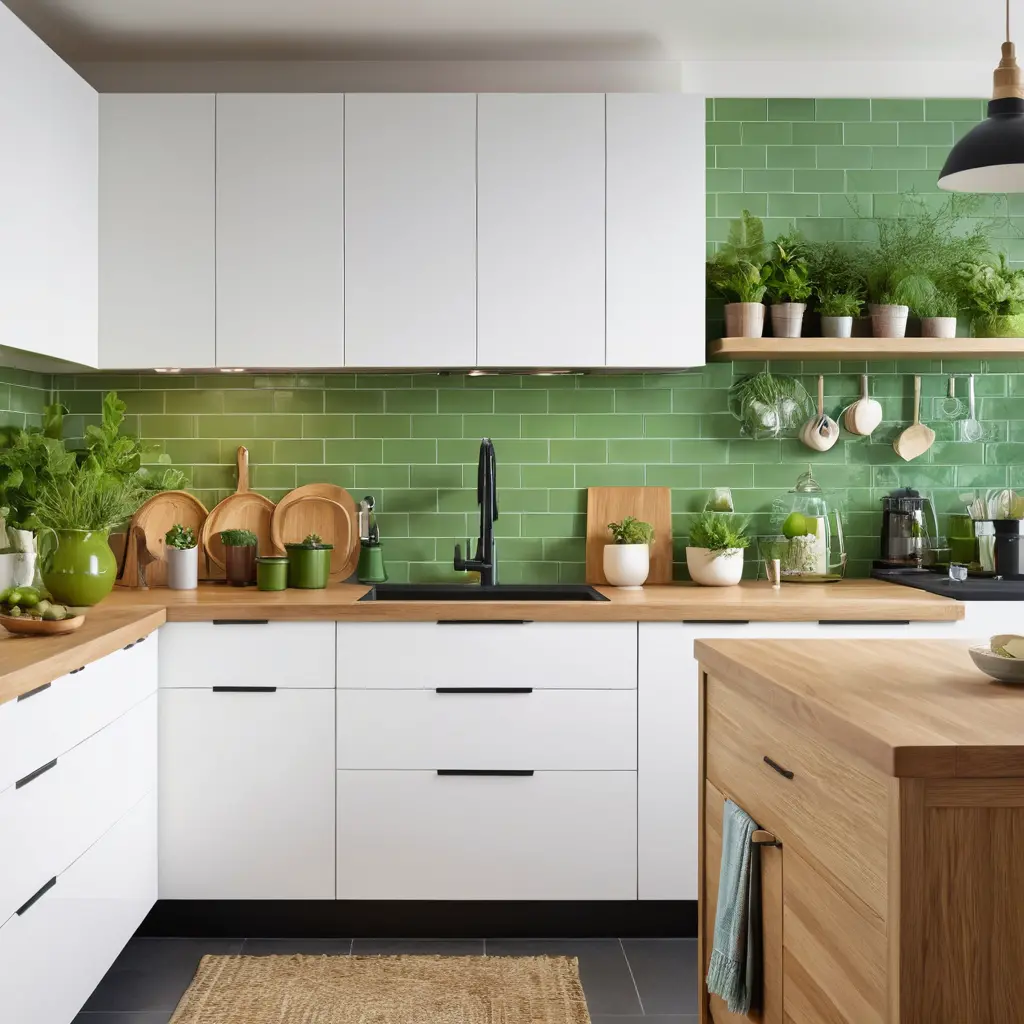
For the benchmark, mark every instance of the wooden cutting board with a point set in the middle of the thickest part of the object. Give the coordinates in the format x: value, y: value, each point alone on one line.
x: 610, y: 505
x: 243, y: 510
x: 324, y: 509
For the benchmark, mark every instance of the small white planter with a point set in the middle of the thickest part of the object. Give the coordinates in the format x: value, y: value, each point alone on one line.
x: 836, y: 326
x: 182, y: 568
x: 715, y: 568
x: 889, y: 321
x: 7, y: 564
x: 938, y: 327
x: 744, y: 319
x: 627, y: 565
x: 788, y: 319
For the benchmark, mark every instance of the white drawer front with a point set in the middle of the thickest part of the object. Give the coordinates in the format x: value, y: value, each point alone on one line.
x: 546, y: 729
x: 54, y: 954
x: 294, y: 655
x: 544, y: 655
x: 552, y: 835
x: 50, y: 722
x: 48, y: 821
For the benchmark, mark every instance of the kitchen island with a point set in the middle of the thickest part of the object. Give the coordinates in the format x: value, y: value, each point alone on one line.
x: 891, y: 775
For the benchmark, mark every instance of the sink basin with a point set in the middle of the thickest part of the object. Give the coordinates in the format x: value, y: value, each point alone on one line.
x: 471, y: 592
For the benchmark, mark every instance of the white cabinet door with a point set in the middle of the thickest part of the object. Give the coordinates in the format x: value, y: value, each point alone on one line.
x: 48, y: 190
x: 410, y: 230
x: 540, y: 230
x: 280, y: 230
x: 655, y: 241
x: 247, y: 794
x: 157, y: 194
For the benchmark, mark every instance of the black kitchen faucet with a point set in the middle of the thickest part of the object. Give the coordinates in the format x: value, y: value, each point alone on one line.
x: 485, y: 562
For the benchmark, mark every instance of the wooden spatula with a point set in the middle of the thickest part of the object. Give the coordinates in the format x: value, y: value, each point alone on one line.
x: 917, y: 438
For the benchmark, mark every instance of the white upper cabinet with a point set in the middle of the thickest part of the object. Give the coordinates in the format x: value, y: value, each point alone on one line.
x: 540, y: 230
x: 280, y: 230
x: 655, y: 220
x: 157, y: 283
x: 48, y: 189
x: 410, y: 230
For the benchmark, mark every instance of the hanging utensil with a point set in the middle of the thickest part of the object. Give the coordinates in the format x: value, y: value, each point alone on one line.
x: 951, y: 408
x: 970, y: 429
x: 917, y: 438
x: 820, y: 432
x: 865, y: 414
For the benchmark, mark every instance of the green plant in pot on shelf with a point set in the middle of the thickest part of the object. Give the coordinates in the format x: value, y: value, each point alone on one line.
x: 239, y: 556
x: 994, y: 295
x: 714, y: 556
x: 837, y: 274
x: 938, y: 312
x: 627, y: 560
x: 309, y: 563
x: 739, y: 272
x: 182, y: 553
x: 788, y: 286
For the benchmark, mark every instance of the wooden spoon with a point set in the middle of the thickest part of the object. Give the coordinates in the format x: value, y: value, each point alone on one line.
x: 917, y: 438
x: 865, y: 414
x: 820, y: 432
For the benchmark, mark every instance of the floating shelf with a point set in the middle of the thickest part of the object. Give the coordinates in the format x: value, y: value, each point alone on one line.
x: 727, y: 349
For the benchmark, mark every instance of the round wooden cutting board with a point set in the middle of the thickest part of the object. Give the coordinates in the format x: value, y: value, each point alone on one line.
x: 156, y: 517
x: 244, y: 510
x: 324, y: 509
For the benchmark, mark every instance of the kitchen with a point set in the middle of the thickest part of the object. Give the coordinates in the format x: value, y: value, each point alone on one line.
x: 313, y: 261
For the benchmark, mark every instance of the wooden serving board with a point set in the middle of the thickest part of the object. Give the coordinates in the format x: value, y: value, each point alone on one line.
x: 243, y: 510
x: 610, y: 505
x: 151, y: 523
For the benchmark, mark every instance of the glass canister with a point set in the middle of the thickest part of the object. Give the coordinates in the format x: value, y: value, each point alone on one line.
x: 810, y: 546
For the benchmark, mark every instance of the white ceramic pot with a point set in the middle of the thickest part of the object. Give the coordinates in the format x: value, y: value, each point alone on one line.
x: 938, y: 327
x: 788, y: 319
x: 24, y: 574
x: 7, y: 563
x: 627, y: 565
x: 744, y: 319
x: 182, y: 568
x: 715, y: 568
x: 889, y: 321
x: 836, y: 326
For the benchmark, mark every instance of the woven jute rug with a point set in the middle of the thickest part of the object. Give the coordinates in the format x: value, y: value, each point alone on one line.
x: 384, y: 990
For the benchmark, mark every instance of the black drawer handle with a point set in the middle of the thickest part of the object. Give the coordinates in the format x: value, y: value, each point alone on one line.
x: 484, y: 622
x: 38, y: 896
x: 484, y: 689
x: 784, y: 772
x: 518, y: 772
x: 716, y: 622
x: 863, y: 622
x: 241, y: 622
x: 75, y: 671
x: 32, y: 693
x: 35, y: 775
x: 245, y: 689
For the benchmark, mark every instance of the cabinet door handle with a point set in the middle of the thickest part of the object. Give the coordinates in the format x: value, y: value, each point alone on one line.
x: 75, y: 671
x: 32, y: 693
x: 716, y: 622
x: 38, y: 896
x: 241, y: 622
x: 784, y: 772
x: 245, y: 689
x: 518, y: 772
x: 35, y: 775
x: 484, y: 689
x: 762, y: 837
x: 863, y: 622
x: 484, y: 622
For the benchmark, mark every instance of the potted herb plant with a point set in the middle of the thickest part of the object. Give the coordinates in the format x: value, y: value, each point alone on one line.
x: 837, y: 275
x: 309, y: 563
x: 938, y: 314
x: 994, y: 294
x: 788, y: 286
x: 239, y: 556
x: 714, y: 555
x: 838, y: 310
x: 738, y: 273
x: 182, y: 557
x: 627, y: 560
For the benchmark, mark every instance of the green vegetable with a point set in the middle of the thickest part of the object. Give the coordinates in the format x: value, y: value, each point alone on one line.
x: 28, y: 598
x: 182, y: 538
x: 55, y: 613
x: 15, y: 612
x: 632, y: 531
x: 14, y: 596
x: 795, y: 525
x: 238, y: 539
x: 719, y: 531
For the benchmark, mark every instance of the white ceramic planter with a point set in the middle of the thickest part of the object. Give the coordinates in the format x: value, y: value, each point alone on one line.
x: 938, y: 327
x: 889, y: 321
x: 182, y: 568
x: 836, y: 326
x: 7, y: 563
x: 744, y: 319
x: 715, y: 568
x: 788, y: 319
x: 627, y: 565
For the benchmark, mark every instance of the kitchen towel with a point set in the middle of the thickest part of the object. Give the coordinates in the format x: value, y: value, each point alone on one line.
x: 735, y: 969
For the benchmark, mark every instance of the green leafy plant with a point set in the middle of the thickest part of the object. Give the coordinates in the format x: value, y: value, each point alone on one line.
x: 29, y: 461
x: 839, y: 304
x: 991, y: 289
x: 737, y: 271
x: 182, y: 538
x: 789, y: 274
x: 837, y: 268
x: 86, y: 500
x: 719, y: 531
x: 632, y: 531
x: 939, y: 303
x: 743, y: 282
x: 238, y: 538
x: 312, y: 542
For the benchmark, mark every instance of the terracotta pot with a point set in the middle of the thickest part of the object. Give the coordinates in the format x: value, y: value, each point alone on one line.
x: 744, y: 319
x: 888, y: 321
x: 938, y: 327
x: 788, y: 319
x: 715, y: 568
x: 836, y: 326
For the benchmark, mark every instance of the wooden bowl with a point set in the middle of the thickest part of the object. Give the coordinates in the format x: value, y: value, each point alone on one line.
x: 24, y: 626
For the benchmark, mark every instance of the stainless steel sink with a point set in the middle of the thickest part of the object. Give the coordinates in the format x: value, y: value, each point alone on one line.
x: 471, y: 592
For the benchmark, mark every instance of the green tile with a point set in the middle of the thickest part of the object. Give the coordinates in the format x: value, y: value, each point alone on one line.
x: 215, y: 478
x: 846, y: 205
x: 494, y: 425
x: 765, y: 133
x: 410, y: 401
x: 436, y: 525
x: 333, y: 424
x: 173, y: 426
x: 224, y: 381
x: 885, y: 157
x: 191, y: 401
x: 672, y: 425
x: 443, y: 477
x: 511, y: 451
x: 383, y: 426
x: 579, y: 451
x: 920, y: 181
x: 954, y: 110
x: 244, y: 401
x: 383, y: 381
x: 520, y: 401
x: 709, y: 157
x: 732, y: 204
x: 548, y: 476
x: 411, y: 451
x: 354, y: 401
x: 259, y: 451
x: 724, y: 179
x: 358, y: 450
x: 791, y: 110
x: 646, y: 400
x: 926, y: 133
x: 466, y: 451
x: 581, y: 401
x: 790, y: 156
x: 610, y: 476
x: 549, y: 425
x: 272, y: 476
x: 723, y: 133
x: 673, y: 476
x: 727, y: 476
x: 819, y: 181
x: 793, y: 205
x: 298, y: 401
x: 618, y: 425
x: 873, y: 133
x: 273, y: 425
x: 846, y: 157
x: 768, y: 181
x: 411, y: 549
x: 138, y: 402
x: 842, y: 110
x: 448, y: 425
x: 817, y: 133
x: 193, y: 452
x: 897, y: 110
x: 744, y: 156
x: 299, y: 451
x: 552, y: 525
x: 377, y: 477
x: 640, y: 451
x: 741, y: 110
x: 520, y: 500
x: 408, y: 500
x: 871, y: 181
x: 343, y: 476
x: 167, y: 382
x: 565, y: 500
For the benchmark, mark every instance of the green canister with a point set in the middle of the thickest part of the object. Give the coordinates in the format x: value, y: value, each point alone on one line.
x: 272, y: 573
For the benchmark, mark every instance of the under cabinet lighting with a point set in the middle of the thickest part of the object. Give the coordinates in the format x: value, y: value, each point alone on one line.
x: 232, y: 369
x: 167, y: 369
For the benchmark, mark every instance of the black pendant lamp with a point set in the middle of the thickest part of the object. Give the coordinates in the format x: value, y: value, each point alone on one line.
x: 990, y: 157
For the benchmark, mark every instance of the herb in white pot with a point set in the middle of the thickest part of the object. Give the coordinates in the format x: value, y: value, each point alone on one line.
x: 714, y: 556
x: 627, y: 561
x: 182, y: 558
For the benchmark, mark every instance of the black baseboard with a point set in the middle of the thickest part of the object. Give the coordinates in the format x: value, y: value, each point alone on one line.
x: 426, y: 919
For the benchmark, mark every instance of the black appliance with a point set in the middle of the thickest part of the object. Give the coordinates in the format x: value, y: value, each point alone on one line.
x: 972, y: 589
x: 904, y: 529
x: 1009, y: 548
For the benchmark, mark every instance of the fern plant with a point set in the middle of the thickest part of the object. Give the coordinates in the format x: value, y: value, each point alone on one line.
x: 737, y: 271
x: 632, y: 531
x: 718, y: 532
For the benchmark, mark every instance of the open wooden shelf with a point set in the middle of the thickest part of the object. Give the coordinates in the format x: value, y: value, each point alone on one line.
x: 726, y: 349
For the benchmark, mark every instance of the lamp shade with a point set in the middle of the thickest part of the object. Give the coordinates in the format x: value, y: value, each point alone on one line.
x: 990, y: 157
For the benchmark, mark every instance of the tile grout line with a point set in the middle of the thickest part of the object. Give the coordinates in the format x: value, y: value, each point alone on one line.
x: 629, y: 967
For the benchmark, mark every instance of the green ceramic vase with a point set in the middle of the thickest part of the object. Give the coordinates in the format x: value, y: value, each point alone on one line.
x: 82, y: 569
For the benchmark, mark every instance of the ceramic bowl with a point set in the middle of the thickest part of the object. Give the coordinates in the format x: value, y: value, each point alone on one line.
x: 1006, y: 670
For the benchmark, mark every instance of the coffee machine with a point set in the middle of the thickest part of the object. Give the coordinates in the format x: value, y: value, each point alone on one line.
x: 907, y: 524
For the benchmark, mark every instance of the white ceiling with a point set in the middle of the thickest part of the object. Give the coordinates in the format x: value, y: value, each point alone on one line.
x: 683, y: 30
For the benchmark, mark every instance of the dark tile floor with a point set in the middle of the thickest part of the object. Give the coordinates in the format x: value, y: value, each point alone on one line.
x: 626, y: 981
